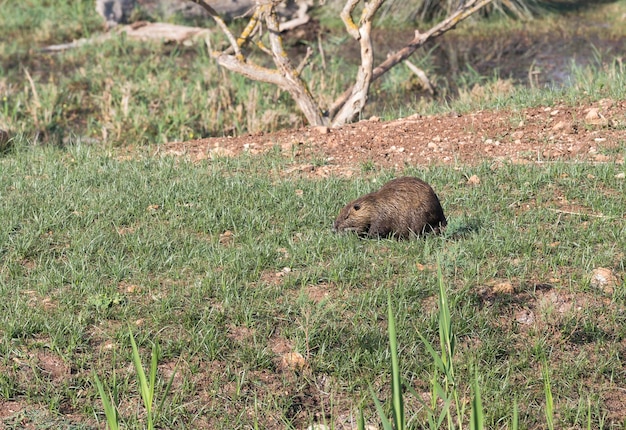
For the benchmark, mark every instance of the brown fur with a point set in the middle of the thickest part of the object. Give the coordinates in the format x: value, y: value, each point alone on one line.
x: 402, y: 207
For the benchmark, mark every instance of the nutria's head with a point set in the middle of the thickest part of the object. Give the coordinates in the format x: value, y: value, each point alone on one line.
x: 356, y: 216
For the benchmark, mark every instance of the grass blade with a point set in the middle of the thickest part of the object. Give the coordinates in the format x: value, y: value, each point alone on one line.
x: 360, y: 424
x: 381, y: 412
x: 167, y: 390
x: 446, y: 336
x: 439, y: 364
x: 588, y: 413
x: 548, y: 393
x: 477, y: 421
x: 153, y: 372
x: 109, y: 409
x: 145, y: 390
x: 396, y: 383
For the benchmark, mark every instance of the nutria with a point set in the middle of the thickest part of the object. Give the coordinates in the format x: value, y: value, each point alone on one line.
x: 402, y: 207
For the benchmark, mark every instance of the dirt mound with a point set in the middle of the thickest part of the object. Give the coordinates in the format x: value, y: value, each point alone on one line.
x: 592, y: 132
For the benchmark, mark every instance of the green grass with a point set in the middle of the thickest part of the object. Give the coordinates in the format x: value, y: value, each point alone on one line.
x: 91, y: 243
x: 146, y: 389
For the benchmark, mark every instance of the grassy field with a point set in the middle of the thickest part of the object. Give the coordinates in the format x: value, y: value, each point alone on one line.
x: 93, y: 244
x: 263, y: 317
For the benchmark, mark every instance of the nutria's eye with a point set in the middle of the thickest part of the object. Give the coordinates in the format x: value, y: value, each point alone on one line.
x: 357, y: 207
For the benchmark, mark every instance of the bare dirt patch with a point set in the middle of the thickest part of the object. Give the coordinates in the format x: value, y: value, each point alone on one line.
x: 590, y: 132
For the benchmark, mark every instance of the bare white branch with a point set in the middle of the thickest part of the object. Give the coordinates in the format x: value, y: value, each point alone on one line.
x: 287, y: 77
x: 346, y: 17
x: 302, y: 17
x: 305, y: 60
x: 222, y: 25
x: 450, y: 22
x: 421, y: 75
x: 293, y: 82
x: 358, y: 97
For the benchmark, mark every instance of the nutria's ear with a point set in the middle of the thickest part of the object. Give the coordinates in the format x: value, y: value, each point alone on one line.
x: 357, y: 206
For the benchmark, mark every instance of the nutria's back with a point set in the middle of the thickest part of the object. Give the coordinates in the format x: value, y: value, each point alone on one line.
x: 402, y: 207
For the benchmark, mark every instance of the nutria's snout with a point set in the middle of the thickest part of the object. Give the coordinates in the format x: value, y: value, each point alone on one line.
x: 401, y: 208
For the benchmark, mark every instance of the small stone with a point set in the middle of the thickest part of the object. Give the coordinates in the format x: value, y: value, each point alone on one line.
x: 561, y: 125
x: 220, y: 152
x: 473, y: 180
x: 603, y: 279
x: 321, y: 129
x: 132, y: 289
x: 620, y: 175
x: 525, y: 317
x: 503, y: 288
x: 594, y: 117
x: 293, y: 360
x: 227, y: 238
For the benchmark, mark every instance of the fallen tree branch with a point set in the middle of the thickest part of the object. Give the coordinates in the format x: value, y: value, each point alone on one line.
x: 140, y: 30
x: 560, y: 211
x: 76, y: 43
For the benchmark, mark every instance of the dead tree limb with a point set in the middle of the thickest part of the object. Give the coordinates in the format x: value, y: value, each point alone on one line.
x: 358, y: 94
x: 302, y: 17
x: 222, y: 25
x: 421, y: 75
x: 450, y: 22
x: 285, y: 76
x: 293, y: 83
